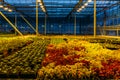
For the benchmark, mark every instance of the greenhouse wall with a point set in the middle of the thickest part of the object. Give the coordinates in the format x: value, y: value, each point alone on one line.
x: 53, y: 25
x: 65, y: 25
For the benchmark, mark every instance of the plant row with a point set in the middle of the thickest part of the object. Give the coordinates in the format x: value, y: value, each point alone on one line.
x: 24, y: 63
x: 7, y: 46
x: 113, y: 44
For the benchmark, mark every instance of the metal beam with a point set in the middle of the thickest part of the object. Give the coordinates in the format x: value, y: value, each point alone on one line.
x: 111, y: 27
x: 27, y: 7
x: 76, y: 6
x: 22, y: 16
x: 10, y: 23
x: 28, y: 22
x: 15, y: 23
x: 15, y: 9
x: 108, y: 7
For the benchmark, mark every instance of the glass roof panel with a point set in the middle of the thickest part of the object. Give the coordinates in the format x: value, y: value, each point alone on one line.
x: 58, y: 8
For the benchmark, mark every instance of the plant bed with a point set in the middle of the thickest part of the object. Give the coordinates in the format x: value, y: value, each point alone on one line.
x: 26, y: 62
x: 10, y: 46
x: 79, y: 60
x: 111, y: 46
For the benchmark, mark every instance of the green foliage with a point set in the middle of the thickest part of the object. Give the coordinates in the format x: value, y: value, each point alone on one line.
x: 25, y: 62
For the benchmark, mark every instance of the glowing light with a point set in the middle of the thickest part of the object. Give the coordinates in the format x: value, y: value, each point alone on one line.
x: 10, y: 10
x: 79, y: 9
x: 41, y: 3
x: 86, y: 4
x: 44, y: 10
x: 1, y: 6
x: 38, y: 0
x: 89, y: 0
x: 42, y: 6
x: 83, y: 7
x: 5, y: 8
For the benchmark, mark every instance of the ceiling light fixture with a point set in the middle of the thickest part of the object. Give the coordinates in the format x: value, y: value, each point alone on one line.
x: 78, y: 10
x: 85, y: 4
x: 42, y: 5
x: 1, y: 6
x: 9, y: 10
x: 39, y: 0
x: 44, y: 10
x: 89, y: 0
x: 83, y: 7
x: 5, y: 8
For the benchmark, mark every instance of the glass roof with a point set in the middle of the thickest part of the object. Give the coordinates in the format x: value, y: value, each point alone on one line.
x: 56, y: 8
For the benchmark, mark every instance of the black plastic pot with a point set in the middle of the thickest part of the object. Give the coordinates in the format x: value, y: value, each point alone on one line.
x: 13, y: 75
x: 28, y: 75
x: 3, y: 75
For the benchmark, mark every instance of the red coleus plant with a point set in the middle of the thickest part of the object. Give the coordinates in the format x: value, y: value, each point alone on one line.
x: 60, y: 60
x: 56, y: 55
x: 110, y: 69
x: 79, y: 48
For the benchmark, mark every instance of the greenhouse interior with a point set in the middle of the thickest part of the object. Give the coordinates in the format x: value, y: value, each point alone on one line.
x: 59, y: 39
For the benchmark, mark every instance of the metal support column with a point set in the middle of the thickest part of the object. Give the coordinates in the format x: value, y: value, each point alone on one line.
x: 75, y: 25
x: 28, y: 22
x: 117, y: 32
x: 45, y: 23
x: 94, y: 18
x: 37, y: 17
x: 11, y: 23
x: 15, y: 23
x: 80, y: 26
x: 104, y: 22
